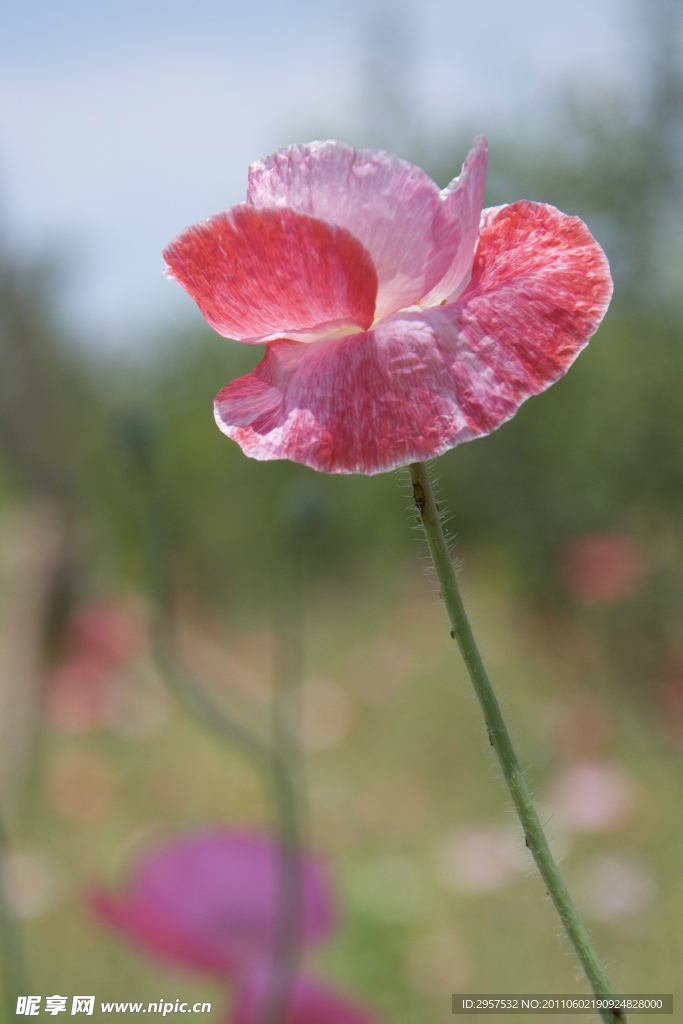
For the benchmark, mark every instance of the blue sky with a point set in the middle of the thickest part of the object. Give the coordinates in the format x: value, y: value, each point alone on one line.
x: 122, y: 122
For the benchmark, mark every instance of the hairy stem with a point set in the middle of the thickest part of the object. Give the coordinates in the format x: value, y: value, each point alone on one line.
x: 500, y: 739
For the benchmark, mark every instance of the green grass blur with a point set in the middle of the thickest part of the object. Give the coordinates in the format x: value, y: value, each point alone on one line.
x: 398, y: 770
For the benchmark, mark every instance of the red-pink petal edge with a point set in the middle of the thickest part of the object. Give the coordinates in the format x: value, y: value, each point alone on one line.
x: 258, y: 274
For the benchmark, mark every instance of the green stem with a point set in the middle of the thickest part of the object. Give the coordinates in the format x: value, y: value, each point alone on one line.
x: 500, y: 739
x: 287, y: 933
x: 273, y: 764
x: 200, y: 706
x: 289, y: 585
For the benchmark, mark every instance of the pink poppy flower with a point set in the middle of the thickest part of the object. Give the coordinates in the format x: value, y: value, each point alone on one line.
x: 208, y: 903
x: 400, y: 319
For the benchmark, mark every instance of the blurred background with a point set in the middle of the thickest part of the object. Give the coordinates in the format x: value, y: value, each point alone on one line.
x: 119, y: 125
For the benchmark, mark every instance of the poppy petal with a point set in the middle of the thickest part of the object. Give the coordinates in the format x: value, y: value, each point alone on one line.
x: 258, y: 274
x: 458, y: 220
x: 149, y: 929
x: 413, y: 232
x: 210, y: 900
x: 424, y: 381
x: 310, y: 1002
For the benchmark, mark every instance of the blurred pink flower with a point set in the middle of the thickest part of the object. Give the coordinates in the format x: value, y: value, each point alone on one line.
x: 591, y: 797
x: 480, y: 859
x: 602, y: 568
x: 105, y: 632
x: 80, y: 695
x: 208, y: 903
x: 400, y: 319
x: 100, y: 639
x: 671, y: 692
x: 615, y: 887
x: 310, y: 1002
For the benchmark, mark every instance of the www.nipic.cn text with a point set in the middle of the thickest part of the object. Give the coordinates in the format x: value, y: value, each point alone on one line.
x: 30, y: 1006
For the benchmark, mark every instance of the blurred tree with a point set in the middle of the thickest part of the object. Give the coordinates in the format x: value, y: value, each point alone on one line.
x: 45, y: 401
x: 43, y: 388
x: 615, y: 160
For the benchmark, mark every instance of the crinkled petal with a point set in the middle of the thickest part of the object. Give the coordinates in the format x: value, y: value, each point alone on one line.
x: 310, y: 1002
x: 414, y: 233
x: 257, y: 274
x: 459, y: 217
x: 211, y: 899
x: 422, y: 382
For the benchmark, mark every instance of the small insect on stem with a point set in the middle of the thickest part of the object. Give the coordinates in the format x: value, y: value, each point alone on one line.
x: 419, y: 495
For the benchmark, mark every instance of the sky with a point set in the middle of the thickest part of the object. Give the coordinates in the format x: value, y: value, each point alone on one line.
x: 121, y: 123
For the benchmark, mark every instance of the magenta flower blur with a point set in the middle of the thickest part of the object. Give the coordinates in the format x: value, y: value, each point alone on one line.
x: 400, y: 319
x: 208, y: 902
x: 101, y: 639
